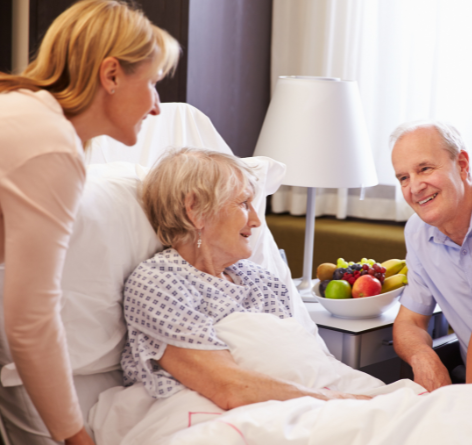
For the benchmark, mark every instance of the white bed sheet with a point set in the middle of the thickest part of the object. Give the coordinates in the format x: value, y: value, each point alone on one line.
x: 401, y: 417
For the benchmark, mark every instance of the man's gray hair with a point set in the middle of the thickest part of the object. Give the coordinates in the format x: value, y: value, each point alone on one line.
x: 452, y: 139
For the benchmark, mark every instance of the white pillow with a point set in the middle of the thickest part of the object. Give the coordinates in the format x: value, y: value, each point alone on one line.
x: 276, y: 347
x: 111, y: 236
x: 284, y: 349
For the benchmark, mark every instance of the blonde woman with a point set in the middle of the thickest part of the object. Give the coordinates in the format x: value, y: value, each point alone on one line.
x: 94, y: 74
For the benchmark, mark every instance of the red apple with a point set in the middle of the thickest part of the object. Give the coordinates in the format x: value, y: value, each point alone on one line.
x: 366, y: 286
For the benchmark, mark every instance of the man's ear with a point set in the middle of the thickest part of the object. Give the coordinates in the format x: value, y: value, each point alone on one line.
x: 110, y: 70
x: 190, y: 204
x: 463, y: 162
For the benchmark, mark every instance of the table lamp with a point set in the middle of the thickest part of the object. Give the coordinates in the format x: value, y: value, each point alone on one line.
x: 316, y: 127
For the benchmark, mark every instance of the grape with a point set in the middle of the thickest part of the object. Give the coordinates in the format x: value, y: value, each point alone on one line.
x: 338, y: 273
x: 341, y: 263
x: 323, y: 286
x: 350, y: 271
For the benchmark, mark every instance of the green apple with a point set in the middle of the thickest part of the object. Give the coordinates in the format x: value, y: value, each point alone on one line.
x: 338, y: 289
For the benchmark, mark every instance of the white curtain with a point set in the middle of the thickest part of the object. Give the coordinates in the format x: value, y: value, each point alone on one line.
x: 411, y: 59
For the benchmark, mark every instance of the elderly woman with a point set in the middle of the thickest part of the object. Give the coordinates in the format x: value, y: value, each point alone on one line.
x: 200, y: 203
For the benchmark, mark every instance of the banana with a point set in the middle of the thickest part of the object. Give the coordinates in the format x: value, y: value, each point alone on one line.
x: 404, y: 271
x: 393, y: 267
x: 394, y: 282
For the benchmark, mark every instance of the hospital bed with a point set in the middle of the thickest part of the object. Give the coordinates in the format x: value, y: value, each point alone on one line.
x: 111, y: 237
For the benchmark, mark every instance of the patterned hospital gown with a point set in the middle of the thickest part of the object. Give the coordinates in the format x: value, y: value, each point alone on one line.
x: 168, y: 301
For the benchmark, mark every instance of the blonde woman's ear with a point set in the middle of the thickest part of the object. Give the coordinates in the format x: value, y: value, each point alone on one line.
x: 110, y: 70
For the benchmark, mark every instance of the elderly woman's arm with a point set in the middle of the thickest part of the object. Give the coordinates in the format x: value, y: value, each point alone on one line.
x: 215, y: 375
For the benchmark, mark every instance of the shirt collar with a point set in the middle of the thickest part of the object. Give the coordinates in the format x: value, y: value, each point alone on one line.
x: 436, y: 236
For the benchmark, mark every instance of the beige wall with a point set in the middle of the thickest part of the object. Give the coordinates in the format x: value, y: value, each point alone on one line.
x: 20, y: 35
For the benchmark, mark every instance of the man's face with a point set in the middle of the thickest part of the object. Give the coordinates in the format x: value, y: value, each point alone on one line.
x: 432, y: 183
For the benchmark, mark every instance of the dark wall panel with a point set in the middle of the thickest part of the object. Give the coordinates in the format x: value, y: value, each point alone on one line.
x: 229, y: 67
x: 5, y: 35
x: 171, y: 15
x: 42, y: 14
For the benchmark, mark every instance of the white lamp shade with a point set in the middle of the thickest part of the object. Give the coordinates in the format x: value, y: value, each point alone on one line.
x: 316, y: 127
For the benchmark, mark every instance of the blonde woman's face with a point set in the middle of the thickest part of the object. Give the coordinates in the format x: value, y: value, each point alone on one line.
x: 134, y: 99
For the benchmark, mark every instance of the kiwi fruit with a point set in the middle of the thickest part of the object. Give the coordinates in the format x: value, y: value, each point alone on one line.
x: 325, y: 271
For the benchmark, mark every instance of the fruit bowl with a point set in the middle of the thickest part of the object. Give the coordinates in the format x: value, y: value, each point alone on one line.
x: 357, y: 308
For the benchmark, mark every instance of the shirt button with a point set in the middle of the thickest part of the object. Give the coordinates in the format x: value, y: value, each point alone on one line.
x: 464, y: 252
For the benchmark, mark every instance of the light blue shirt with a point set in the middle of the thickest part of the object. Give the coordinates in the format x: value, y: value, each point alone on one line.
x: 439, y: 271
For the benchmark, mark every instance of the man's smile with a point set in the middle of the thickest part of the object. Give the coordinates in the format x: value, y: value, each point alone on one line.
x: 429, y: 198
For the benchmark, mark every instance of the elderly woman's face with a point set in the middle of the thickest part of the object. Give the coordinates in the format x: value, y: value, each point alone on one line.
x: 227, y: 234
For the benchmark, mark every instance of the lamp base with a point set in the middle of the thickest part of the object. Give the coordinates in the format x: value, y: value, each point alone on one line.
x: 307, y: 294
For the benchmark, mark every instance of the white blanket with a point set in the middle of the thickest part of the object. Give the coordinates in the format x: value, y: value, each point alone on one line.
x: 400, y: 418
x: 282, y: 349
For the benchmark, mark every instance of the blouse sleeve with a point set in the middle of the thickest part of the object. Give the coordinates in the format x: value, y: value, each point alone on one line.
x: 39, y: 201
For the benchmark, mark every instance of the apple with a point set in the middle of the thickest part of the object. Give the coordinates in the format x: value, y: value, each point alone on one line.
x: 338, y: 289
x: 366, y: 286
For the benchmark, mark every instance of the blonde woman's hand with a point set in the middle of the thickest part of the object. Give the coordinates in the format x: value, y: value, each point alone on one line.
x: 81, y: 438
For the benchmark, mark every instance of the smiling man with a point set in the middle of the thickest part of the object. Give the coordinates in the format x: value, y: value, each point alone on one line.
x: 432, y: 166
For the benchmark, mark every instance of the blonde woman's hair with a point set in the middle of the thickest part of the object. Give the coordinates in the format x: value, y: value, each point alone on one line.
x: 210, y: 178
x: 69, y: 58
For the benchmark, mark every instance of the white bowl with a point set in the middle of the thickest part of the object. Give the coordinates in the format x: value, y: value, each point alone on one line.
x: 357, y: 308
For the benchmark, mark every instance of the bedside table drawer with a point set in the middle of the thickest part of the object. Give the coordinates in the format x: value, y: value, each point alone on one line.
x: 376, y: 346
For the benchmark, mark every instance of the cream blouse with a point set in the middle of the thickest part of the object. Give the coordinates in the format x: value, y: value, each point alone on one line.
x: 42, y: 174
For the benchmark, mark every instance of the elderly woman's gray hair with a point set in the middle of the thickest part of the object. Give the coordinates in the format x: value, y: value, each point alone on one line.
x: 451, y: 137
x: 210, y: 178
